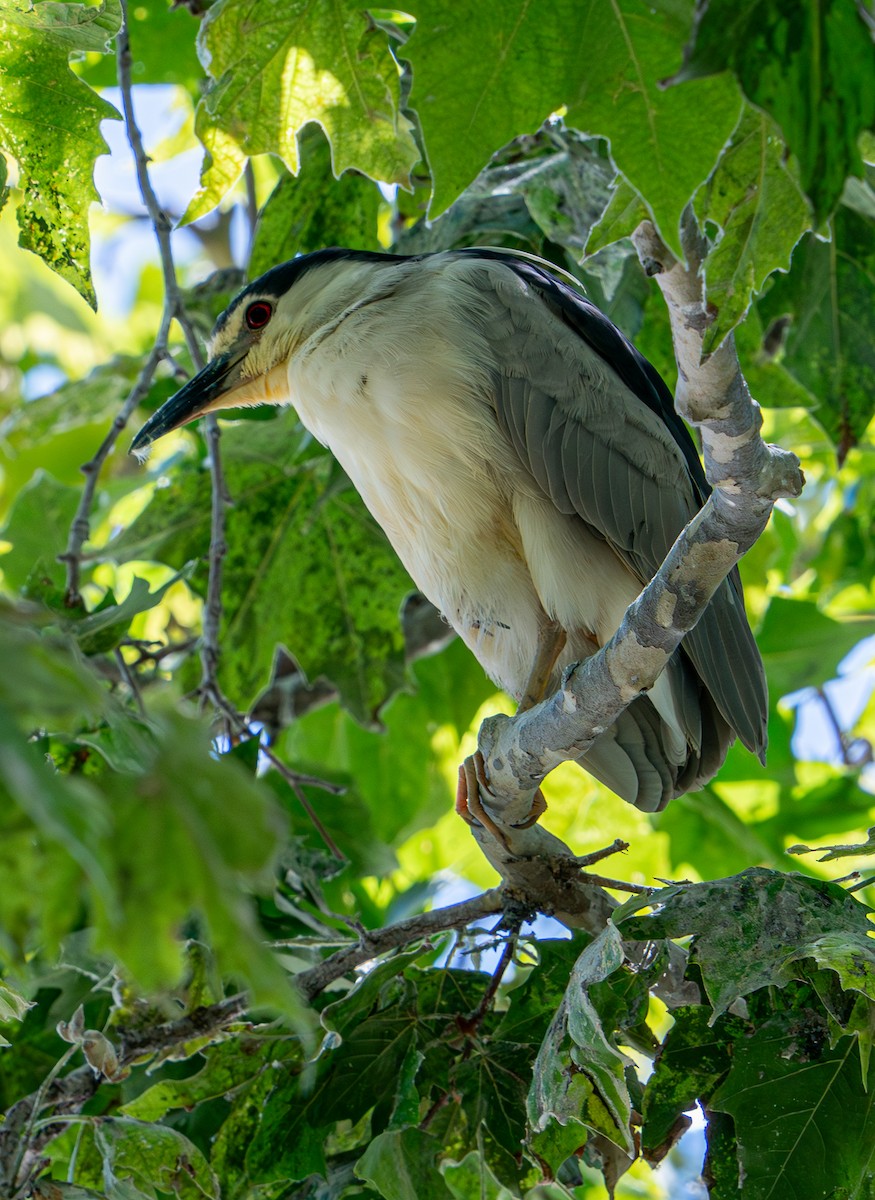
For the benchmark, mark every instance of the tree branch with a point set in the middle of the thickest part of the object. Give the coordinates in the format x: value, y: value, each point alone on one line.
x: 747, y: 476
x: 20, y: 1159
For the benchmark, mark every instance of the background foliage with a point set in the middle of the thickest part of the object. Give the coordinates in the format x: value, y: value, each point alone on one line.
x: 154, y: 863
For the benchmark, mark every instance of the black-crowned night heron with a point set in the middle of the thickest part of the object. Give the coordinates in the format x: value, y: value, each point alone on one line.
x: 525, y: 461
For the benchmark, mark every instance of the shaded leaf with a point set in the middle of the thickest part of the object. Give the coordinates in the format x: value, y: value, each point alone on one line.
x: 149, y: 1156
x: 804, y: 1121
x: 802, y: 647
x: 401, y: 1165
x: 812, y: 67
x: 829, y: 296
x: 312, y: 210
x: 501, y: 90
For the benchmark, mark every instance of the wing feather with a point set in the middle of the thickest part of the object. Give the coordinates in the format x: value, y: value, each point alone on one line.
x: 596, y: 427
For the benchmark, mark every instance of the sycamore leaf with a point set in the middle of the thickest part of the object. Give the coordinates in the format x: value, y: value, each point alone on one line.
x: 761, y: 214
x: 138, y: 1158
x: 277, y: 66
x: 500, y: 89
x: 804, y: 1119
x: 314, y: 210
x: 49, y: 122
x: 401, y: 1165
x: 579, y: 1075
x: 623, y: 214
x: 811, y: 66
x: 829, y: 296
x: 754, y: 929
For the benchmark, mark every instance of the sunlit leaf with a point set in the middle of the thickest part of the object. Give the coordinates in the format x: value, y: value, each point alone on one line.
x: 276, y: 67
x: 50, y: 123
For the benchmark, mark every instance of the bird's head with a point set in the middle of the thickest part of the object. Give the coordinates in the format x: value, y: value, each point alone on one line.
x: 262, y: 329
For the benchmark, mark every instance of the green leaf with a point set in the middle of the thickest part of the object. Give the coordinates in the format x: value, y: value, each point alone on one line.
x: 38, y: 528
x: 624, y: 213
x: 314, y: 210
x: 804, y: 1120
x: 401, y: 1166
x: 692, y: 1061
x: 752, y: 929
x: 103, y: 629
x: 579, y: 1075
x: 499, y: 89
x: 162, y: 49
x: 229, y: 1067
x: 49, y: 122
x: 13, y: 1007
x: 829, y: 296
x: 400, y: 758
x: 811, y: 66
x: 307, y: 567
x: 177, y: 848
x: 756, y: 204
x: 277, y: 66
x: 471, y: 1179
x: 139, y: 1159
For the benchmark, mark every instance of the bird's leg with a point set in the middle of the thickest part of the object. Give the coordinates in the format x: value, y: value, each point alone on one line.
x: 551, y: 643
x: 472, y: 772
x: 472, y: 777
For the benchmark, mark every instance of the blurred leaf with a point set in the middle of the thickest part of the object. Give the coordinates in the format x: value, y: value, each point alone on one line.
x: 830, y: 347
x: 501, y: 90
x: 395, y: 770
x: 162, y: 49
x: 38, y: 528
x: 756, y: 204
x: 752, y: 929
x: 50, y: 124
x: 277, y: 67
x: 105, y: 627
x: 174, y: 851
x: 314, y: 210
x: 812, y: 67
x: 802, y: 647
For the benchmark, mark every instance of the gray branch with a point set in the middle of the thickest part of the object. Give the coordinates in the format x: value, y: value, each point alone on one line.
x: 747, y: 476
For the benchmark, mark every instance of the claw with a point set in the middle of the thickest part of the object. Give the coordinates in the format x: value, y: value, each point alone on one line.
x: 473, y: 781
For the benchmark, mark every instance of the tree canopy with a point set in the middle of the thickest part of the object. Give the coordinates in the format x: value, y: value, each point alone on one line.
x: 246, y: 947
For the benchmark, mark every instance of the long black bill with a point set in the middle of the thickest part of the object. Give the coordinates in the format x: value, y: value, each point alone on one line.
x: 197, y: 397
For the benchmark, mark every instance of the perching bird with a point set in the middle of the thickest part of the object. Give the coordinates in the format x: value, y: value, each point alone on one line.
x: 525, y: 461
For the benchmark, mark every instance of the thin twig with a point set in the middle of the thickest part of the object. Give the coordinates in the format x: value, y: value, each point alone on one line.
x: 455, y: 916
x: 131, y: 682
x: 210, y: 650
x: 80, y: 529
x: 173, y: 308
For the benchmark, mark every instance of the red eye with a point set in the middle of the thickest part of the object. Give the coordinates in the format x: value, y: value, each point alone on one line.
x: 258, y: 314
